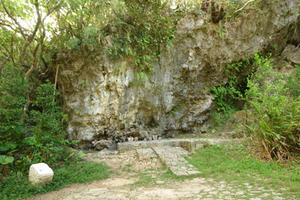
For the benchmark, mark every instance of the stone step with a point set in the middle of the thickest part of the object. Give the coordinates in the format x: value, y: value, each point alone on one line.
x: 189, y: 144
x: 173, y: 158
x: 145, y: 154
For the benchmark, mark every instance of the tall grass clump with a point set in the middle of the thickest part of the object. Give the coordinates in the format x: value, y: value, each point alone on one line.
x: 275, y: 110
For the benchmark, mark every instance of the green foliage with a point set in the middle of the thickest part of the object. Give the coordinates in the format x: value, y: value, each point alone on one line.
x: 293, y: 83
x: 17, y: 185
x: 231, y: 7
x: 31, y: 122
x: 141, y: 32
x: 79, y: 23
x: 5, y: 160
x: 132, y: 28
x: 220, y: 118
x: 226, y: 95
x: 229, y: 95
x: 276, y: 115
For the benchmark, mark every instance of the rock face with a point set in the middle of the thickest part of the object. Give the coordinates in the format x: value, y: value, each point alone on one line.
x: 40, y: 174
x: 103, y: 103
x: 292, y: 54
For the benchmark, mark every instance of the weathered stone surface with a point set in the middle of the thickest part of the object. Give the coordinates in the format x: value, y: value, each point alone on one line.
x: 128, y: 146
x: 187, y: 144
x: 103, y: 144
x: 173, y: 158
x: 292, y: 54
x: 145, y: 154
x: 40, y: 174
x: 102, y: 102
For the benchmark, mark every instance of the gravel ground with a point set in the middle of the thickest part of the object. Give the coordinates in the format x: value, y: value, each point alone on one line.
x: 123, y: 184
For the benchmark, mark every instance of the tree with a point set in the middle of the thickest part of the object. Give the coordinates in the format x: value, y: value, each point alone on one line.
x: 22, y: 43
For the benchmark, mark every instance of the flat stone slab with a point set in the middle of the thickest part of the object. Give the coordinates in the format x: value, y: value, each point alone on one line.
x: 173, y: 158
x: 186, y: 143
x: 145, y: 154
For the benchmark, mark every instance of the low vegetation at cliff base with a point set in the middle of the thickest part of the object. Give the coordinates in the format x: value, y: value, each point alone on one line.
x: 272, y: 102
x: 274, y: 106
x: 17, y: 185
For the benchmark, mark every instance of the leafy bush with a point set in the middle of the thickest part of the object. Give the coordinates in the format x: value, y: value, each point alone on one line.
x: 229, y: 96
x: 31, y: 122
x: 225, y: 96
x: 220, y: 118
x: 276, y: 115
x: 17, y: 185
x: 294, y: 83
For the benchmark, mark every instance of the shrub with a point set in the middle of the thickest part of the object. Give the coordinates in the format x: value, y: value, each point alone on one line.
x: 141, y: 32
x: 229, y: 96
x: 225, y: 96
x: 31, y: 122
x: 276, y: 115
x: 17, y: 186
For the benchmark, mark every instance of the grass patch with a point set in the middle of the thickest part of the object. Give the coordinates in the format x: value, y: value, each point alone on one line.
x: 235, y: 165
x: 18, y: 187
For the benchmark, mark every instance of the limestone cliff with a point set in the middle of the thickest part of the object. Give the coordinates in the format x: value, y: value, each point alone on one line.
x: 102, y: 102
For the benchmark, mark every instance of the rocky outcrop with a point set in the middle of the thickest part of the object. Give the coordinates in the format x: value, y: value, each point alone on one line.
x: 292, y: 54
x: 104, y: 100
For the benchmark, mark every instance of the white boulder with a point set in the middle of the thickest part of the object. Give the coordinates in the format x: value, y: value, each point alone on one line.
x: 40, y: 174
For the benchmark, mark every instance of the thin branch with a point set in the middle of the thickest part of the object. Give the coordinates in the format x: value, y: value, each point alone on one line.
x: 8, y: 54
x: 34, y: 55
x: 32, y: 36
x: 14, y: 19
x: 5, y: 24
x: 55, y: 81
x: 244, y: 6
x: 52, y: 10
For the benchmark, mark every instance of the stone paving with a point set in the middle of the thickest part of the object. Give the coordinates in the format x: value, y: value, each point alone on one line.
x: 189, y: 144
x: 173, y: 158
x: 127, y: 182
x: 145, y: 154
x: 171, y: 152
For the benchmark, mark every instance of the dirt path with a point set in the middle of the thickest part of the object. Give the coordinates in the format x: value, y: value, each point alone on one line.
x: 144, y: 180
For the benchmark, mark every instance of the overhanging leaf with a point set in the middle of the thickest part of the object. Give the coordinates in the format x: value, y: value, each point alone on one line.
x: 5, y: 160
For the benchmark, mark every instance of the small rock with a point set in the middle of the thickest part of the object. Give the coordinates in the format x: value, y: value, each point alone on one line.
x: 40, y: 174
x: 136, y: 139
x: 292, y: 54
x: 204, y: 128
x: 103, y: 144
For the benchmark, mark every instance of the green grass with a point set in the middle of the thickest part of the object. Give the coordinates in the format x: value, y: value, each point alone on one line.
x: 235, y: 165
x: 18, y: 187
